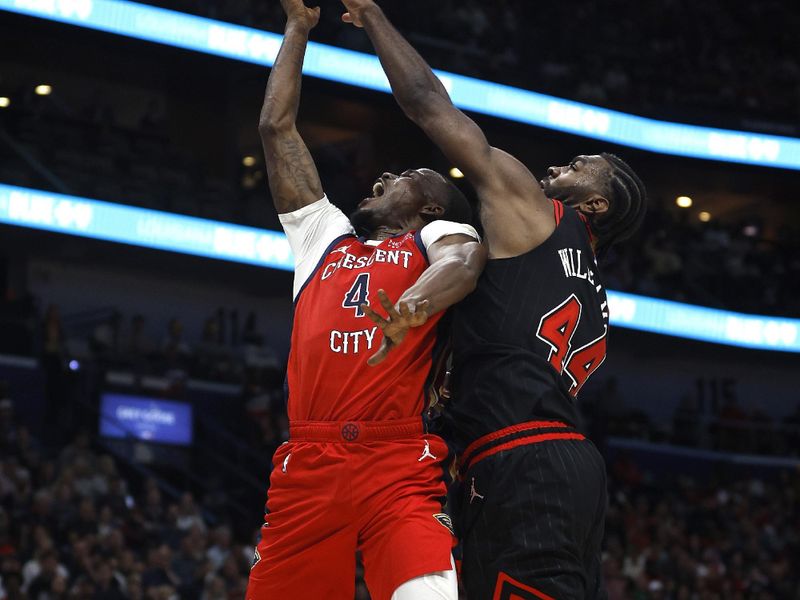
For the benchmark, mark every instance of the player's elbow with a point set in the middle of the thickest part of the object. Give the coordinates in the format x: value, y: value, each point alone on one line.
x: 471, y: 274
x: 273, y: 124
x: 468, y: 270
x: 417, y: 103
x: 473, y: 265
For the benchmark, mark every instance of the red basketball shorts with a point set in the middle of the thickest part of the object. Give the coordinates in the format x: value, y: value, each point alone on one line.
x: 338, y: 487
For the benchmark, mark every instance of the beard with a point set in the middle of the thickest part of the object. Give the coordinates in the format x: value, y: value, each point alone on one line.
x: 560, y: 192
x: 364, y: 221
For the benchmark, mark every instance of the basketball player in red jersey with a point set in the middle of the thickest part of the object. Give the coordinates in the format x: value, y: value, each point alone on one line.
x: 531, y: 510
x: 359, y: 471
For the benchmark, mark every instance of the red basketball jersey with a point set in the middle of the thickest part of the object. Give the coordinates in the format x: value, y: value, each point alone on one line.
x: 328, y: 376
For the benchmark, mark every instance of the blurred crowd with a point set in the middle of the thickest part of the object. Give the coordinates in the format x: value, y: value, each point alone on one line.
x: 724, y: 538
x: 228, y: 349
x: 705, y: 60
x: 731, y: 427
x: 75, y: 525
x: 72, y: 526
x: 721, y: 265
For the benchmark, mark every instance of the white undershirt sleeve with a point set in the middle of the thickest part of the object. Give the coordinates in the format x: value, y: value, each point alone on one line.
x: 433, y: 232
x: 310, y: 230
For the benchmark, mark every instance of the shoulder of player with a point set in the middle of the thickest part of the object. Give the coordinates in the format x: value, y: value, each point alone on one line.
x: 436, y: 230
x: 518, y: 228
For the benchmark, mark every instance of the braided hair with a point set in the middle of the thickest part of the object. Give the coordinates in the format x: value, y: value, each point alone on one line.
x: 627, y: 199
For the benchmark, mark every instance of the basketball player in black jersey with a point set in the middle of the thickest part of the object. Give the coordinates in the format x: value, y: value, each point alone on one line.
x: 534, y: 489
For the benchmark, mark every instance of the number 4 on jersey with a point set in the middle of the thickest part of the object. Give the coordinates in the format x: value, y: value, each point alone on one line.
x: 556, y: 329
x: 358, y: 294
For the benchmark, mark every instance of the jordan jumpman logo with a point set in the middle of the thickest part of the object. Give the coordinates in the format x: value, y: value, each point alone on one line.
x: 473, y: 493
x: 426, y: 453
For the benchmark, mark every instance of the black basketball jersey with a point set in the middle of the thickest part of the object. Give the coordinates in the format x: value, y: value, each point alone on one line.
x: 529, y: 336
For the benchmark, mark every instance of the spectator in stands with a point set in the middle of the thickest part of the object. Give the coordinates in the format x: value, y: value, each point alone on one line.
x: 175, y: 349
x: 44, y: 575
x: 139, y: 344
x: 188, y: 514
x: 220, y: 550
x: 105, y: 341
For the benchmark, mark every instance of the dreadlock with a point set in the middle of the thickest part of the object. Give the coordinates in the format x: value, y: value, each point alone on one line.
x: 627, y: 200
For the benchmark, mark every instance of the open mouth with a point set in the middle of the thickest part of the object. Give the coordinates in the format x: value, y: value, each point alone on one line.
x: 378, y: 189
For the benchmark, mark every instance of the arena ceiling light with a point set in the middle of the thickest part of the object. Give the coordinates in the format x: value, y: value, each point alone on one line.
x: 190, y: 32
x: 84, y: 217
x: 5, y: 101
x: 249, y: 161
x: 683, y: 201
x: 456, y: 173
x: 704, y: 216
x: 43, y: 90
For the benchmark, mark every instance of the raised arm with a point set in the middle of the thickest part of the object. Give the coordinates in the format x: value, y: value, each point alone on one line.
x: 293, y: 178
x: 516, y: 215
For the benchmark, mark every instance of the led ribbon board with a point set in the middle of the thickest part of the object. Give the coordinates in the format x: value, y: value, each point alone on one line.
x: 704, y: 324
x: 143, y: 227
x: 363, y: 70
x: 202, y: 237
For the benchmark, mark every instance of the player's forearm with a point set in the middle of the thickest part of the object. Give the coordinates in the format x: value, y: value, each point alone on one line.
x: 293, y: 178
x: 448, y: 280
x: 282, y: 98
x: 412, y: 80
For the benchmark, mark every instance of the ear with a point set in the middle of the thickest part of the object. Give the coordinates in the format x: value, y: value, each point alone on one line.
x: 595, y: 205
x: 430, y: 212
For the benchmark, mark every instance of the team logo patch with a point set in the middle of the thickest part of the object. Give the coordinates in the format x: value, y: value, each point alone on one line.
x: 256, y: 558
x: 444, y: 520
x: 350, y: 432
x: 397, y: 242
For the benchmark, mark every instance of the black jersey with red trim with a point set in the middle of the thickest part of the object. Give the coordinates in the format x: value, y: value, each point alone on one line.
x: 529, y: 336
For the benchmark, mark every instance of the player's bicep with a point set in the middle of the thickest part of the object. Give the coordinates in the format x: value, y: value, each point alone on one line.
x: 459, y: 247
x: 293, y: 177
x: 455, y: 242
x: 498, y: 177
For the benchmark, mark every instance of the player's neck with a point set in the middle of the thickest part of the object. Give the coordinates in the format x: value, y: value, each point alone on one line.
x: 385, y: 232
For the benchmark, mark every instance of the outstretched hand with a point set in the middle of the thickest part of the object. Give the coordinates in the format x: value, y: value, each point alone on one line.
x: 297, y: 11
x: 355, y: 10
x: 395, y: 327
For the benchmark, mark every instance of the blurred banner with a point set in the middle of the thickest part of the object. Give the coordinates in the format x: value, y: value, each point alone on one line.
x: 147, y: 419
x: 363, y: 70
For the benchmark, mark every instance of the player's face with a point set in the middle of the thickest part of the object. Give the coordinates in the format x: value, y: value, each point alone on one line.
x: 389, y: 189
x: 573, y: 182
x: 395, y: 200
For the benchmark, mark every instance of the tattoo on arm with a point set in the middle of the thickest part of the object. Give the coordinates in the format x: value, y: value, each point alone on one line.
x: 293, y: 177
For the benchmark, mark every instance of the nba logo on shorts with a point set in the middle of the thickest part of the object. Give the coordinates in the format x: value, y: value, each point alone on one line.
x: 350, y: 432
